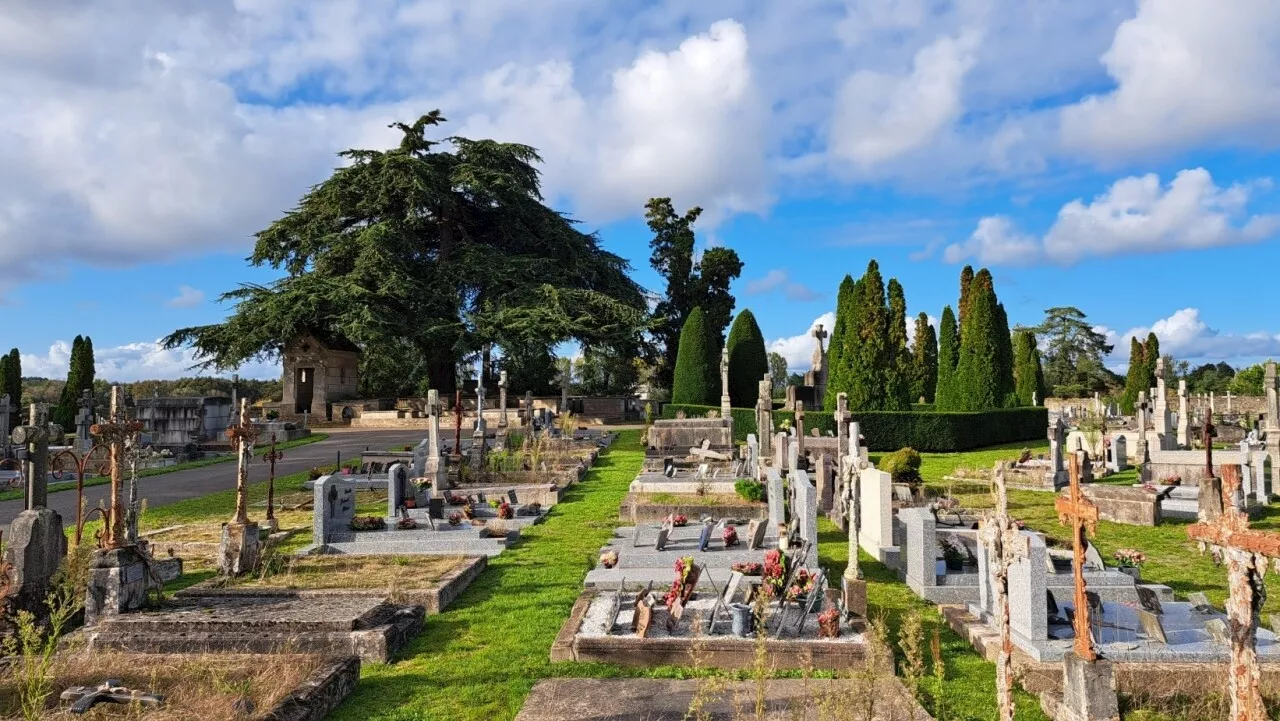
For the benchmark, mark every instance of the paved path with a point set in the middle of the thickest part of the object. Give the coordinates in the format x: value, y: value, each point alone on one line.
x: 169, y: 488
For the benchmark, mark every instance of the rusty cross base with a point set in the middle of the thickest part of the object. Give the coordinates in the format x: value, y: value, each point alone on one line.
x: 1247, y: 553
x: 113, y: 434
x: 1082, y: 515
x: 1006, y: 546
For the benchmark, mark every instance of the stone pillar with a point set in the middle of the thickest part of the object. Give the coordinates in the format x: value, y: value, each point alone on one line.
x: 1142, y: 447
x: 502, y: 399
x: 436, y: 467
x: 921, y: 547
x: 1088, y: 689
x: 528, y: 408
x: 564, y: 387
x: 478, y: 447
x: 726, y: 409
x: 1184, y: 418
x: 240, y: 548
x: 36, y: 436
x: 799, y: 452
x: 764, y: 415
x: 117, y: 583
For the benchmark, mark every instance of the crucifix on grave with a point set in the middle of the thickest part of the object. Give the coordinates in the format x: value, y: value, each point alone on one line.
x: 853, y: 586
x: 726, y: 403
x: 270, y: 457
x: 1247, y: 554
x: 1082, y: 515
x: 1006, y: 546
x: 457, y: 424
x: 115, y: 434
x: 36, y: 436
x: 240, y: 542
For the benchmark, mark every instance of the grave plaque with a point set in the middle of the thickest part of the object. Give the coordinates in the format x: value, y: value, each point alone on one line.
x: 1149, y: 601
x: 511, y: 496
x: 1092, y: 559
x: 668, y: 467
x: 661, y: 543
x: 674, y: 614
x: 1200, y: 602
x: 731, y: 589
x: 643, y: 617
x: 755, y: 534
x: 691, y: 583
x: 705, y: 537
x: 1217, y: 630
x: 1151, y: 626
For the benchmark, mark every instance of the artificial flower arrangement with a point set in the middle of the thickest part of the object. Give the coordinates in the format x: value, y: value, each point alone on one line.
x: 505, y: 510
x: 775, y: 570
x: 406, y: 524
x: 749, y: 568
x: 679, y: 520
x: 1130, y: 558
x: 829, y: 623
x: 455, y: 519
x: 730, y: 536
x: 677, y: 592
x: 801, y: 586
x: 609, y: 559
x: 953, y: 551
x: 368, y: 523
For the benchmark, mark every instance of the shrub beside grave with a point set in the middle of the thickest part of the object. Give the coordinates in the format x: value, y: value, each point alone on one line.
x: 931, y: 432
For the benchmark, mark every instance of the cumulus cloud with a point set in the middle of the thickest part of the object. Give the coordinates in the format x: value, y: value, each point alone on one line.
x: 1135, y: 215
x: 1186, y: 336
x: 880, y: 116
x: 132, y: 362
x: 798, y: 349
x: 187, y: 297
x: 1185, y: 71
x: 779, y: 280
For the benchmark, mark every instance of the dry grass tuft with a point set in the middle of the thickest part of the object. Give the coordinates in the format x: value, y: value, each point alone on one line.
x: 201, y: 687
x: 405, y: 573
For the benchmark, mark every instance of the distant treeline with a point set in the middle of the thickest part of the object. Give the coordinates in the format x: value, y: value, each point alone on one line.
x: 45, y: 390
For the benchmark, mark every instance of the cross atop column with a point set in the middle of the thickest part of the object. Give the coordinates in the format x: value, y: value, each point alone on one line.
x: 242, y: 436
x: 1080, y: 513
x: 1006, y: 545
x: 115, y: 434
x: 1206, y: 436
x: 819, y: 335
x: 1246, y: 552
x: 6, y: 407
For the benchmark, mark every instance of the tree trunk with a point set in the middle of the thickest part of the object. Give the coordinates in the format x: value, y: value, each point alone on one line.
x: 1242, y: 625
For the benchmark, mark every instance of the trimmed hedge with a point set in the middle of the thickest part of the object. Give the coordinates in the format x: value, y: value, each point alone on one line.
x: 891, y: 430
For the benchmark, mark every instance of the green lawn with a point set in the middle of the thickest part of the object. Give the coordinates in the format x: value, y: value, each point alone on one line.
x: 56, y: 487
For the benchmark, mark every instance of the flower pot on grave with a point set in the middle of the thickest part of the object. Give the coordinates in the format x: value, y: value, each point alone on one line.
x: 1133, y: 572
x: 744, y: 621
x: 955, y: 564
x: 828, y: 626
x: 410, y: 502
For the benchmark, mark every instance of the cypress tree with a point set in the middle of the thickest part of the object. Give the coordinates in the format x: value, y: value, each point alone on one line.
x: 697, y: 372
x: 1151, y: 353
x: 1135, y: 380
x: 944, y: 394
x: 64, y: 414
x: 837, y: 364
x: 748, y: 361
x: 1004, y: 370
x: 924, y: 360
x: 12, y: 384
x: 966, y: 281
x: 979, y: 384
x: 899, y: 369
x: 872, y: 359
x: 1028, y: 375
x: 4, y: 383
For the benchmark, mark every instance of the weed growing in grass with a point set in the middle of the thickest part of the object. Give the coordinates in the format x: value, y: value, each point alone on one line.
x: 35, y: 640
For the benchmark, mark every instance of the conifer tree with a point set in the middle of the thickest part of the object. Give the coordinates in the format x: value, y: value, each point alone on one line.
x: 966, y: 281
x: 696, y: 380
x: 1004, y: 368
x: 872, y: 359
x: 748, y: 361
x: 64, y: 414
x: 1151, y: 353
x: 11, y: 382
x: 1028, y: 375
x: 837, y: 364
x: 924, y: 360
x: 1135, y: 380
x: 944, y: 394
x: 899, y: 369
x: 979, y: 383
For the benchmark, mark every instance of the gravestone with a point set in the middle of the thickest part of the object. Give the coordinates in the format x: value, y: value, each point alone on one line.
x: 1057, y: 449
x: 1217, y: 630
x: 806, y: 500
x: 780, y: 451
x: 1148, y: 600
x: 84, y: 421
x: 1093, y: 559
x: 1210, y: 502
x: 399, y: 490
x: 661, y: 543
x: 876, y: 500
x: 921, y: 547
x: 704, y: 538
x: 777, y: 498
x: 755, y: 534
x: 35, y: 548
x: 1184, y: 418
x: 334, y: 508
x: 1152, y: 626
x: 1028, y: 602
x: 753, y: 457
x: 826, y: 483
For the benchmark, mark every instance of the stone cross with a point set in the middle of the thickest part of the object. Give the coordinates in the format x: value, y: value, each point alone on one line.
x: 1247, y: 553
x: 528, y: 408
x: 479, y: 400
x: 36, y: 436
x: 502, y: 399
x: 853, y: 502
x: 1082, y: 515
x: 242, y: 436
x: 819, y: 335
x: 1006, y: 545
x: 84, y: 419
x: 1184, y: 418
x: 764, y: 415
x: 1272, y: 392
x: 114, y: 434
x: 799, y: 414
x: 726, y: 410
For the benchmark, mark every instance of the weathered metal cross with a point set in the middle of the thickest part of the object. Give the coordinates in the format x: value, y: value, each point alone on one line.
x: 271, y: 456
x: 84, y: 698
x: 1082, y: 515
x: 1006, y: 545
x: 115, y: 434
x: 242, y: 436
x: 1247, y: 553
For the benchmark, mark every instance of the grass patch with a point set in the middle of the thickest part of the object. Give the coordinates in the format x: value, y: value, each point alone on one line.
x: 14, y: 494
x: 689, y: 499
x: 392, y: 573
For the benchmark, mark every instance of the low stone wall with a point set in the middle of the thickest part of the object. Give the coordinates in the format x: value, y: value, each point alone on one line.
x: 634, y: 510
x: 320, y: 693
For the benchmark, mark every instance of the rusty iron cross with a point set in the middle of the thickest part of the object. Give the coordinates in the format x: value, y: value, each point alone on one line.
x: 270, y: 458
x: 1247, y: 553
x: 1082, y: 515
x: 115, y: 434
x: 1006, y: 546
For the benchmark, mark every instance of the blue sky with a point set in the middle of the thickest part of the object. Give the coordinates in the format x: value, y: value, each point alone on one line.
x: 1114, y: 156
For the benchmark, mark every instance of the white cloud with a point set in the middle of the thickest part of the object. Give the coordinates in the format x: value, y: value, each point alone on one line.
x: 133, y: 362
x: 880, y: 116
x: 1186, y: 336
x: 798, y: 349
x: 1186, y: 71
x: 779, y: 280
x: 1135, y: 215
x: 187, y: 297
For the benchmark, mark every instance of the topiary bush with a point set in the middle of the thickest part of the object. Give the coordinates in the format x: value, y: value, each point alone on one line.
x: 903, y: 464
x: 748, y: 361
x: 749, y: 490
x: 696, y: 365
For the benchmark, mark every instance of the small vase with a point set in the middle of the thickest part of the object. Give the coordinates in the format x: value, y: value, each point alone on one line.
x: 829, y: 629
x: 1133, y: 572
x: 744, y: 621
x: 955, y: 564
